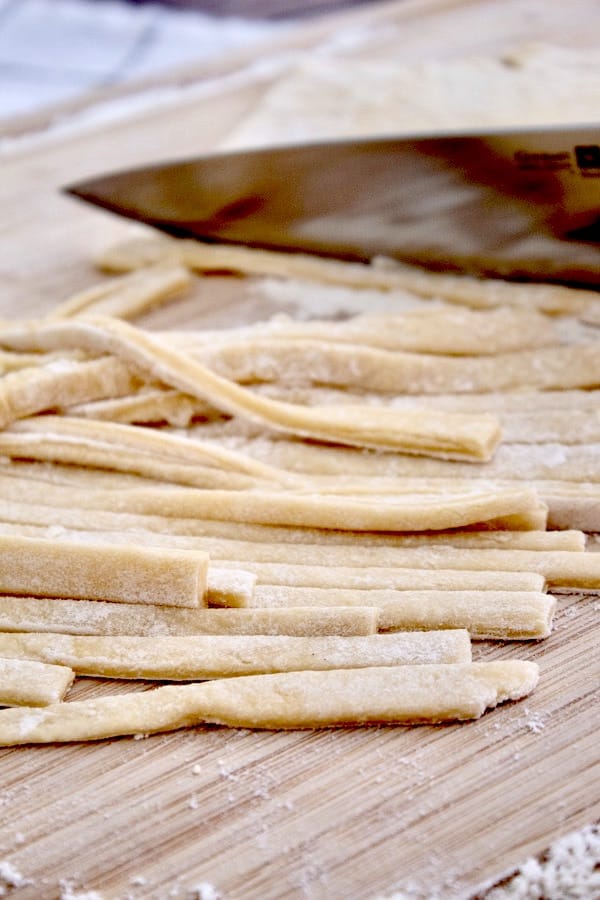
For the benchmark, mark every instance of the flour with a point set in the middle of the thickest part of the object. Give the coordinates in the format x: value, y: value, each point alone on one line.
x: 10, y: 877
x: 204, y: 890
x: 67, y: 892
x: 569, y: 869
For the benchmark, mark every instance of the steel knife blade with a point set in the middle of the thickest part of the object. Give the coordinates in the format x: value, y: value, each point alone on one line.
x: 519, y: 203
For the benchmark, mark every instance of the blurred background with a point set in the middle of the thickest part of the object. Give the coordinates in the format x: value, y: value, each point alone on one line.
x: 55, y: 50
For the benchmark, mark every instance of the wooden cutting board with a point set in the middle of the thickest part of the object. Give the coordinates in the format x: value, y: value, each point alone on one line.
x: 356, y: 813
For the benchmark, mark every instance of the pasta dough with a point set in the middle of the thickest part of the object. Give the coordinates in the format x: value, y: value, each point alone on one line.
x: 96, y: 617
x: 400, y: 694
x: 32, y: 566
x: 223, y: 656
x: 24, y: 682
x: 474, y: 438
x: 507, y: 615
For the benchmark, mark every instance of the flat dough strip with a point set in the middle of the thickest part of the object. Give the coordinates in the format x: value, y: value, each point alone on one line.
x: 490, y: 401
x: 472, y: 437
x: 504, y: 615
x: 227, y: 585
x: 129, y: 295
x: 119, y: 573
x: 150, y: 406
x: 27, y: 683
x: 368, y: 578
x: 400, y: 694
x: 445, y: 330
x: 343, y: 513
x: 560, y: 564
x: 560, y: 568
x: 512, y: 462
x: 149, y: 442
x: 224, y: 656
x: 65, y: 517
x: 12, y: 362
x: 28, y: 391
x: 384, y: 276
x: 306, y: 362
x: 84, y: 452
x: 96, y: 617
x: 525, y: 417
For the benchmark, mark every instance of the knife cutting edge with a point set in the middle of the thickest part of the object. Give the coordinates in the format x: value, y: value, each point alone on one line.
x: 518, y: 203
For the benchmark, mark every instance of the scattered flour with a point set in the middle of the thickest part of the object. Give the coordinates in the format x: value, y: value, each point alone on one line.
x: 570, y: 869
x: 10, y: 877
x: 67, y: 892
x: 204, y: 890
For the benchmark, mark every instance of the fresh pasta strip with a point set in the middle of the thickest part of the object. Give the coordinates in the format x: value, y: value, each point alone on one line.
x: 12, y: 362
x: 60, y: 514
x: 197, y: 657
x: 24, y: 682
x: 472, y: 438
x: 129, y: 295
x: 552, y: 427
x: 366, y: 368
x: 28, y: 391
x: 514, y: 462
x: 227, y: 585
x: 123, y: 573
x: 380, y: 275
x: 147, y: 407
x: 387, y: 694
x: 89, y: 617
x: 445, y: 330
x: 343, y: 513
x: 566, y: 568
x: 494, y: 401
x: 536, y: 417
x: 149, y: 442
x: 507, y: 615
x: 368, y: 578
x: 86, y: 452
x: 224, y: 587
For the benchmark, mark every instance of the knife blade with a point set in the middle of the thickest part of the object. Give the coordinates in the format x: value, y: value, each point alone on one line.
x: 519, y: 203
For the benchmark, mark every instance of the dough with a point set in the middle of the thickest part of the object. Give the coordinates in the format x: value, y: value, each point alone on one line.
x: 439, y: 329
x: 27, y: 683
x: 129, y: 295
x: 328, y: 512
x: 461, y: 289
x: 196, y: 657
x: 504, y: 615
x: 126, y: 573
x: 362, y: 426
x: 399, y: 694
x: 27, y: 391
x: 96, y: 617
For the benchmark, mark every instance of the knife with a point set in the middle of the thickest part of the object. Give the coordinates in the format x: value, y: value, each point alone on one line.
x: 520, y: 203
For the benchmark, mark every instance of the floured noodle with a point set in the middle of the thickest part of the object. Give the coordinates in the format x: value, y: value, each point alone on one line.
x: 444, y: 330
x: 504, y: 615
x: 27, y: 391
x: 473, y: 292
x: 197, y: 657
x: 88, y: 617
x: 149, y: 442
x: 400, y: 694
x: 24, y: 682
x: 304, y: 362
x: 471, y: 438
x: 30, y: 566
x: 129, y: 295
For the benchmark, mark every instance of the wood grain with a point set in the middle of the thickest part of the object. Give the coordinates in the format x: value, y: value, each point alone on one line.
x: 355, y: 813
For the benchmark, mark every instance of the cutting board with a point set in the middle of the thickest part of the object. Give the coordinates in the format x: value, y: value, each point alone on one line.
x: 350, y: 813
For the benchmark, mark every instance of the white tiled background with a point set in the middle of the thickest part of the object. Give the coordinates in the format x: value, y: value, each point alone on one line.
x: 53, y: 50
